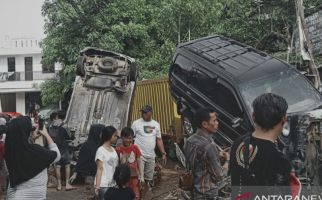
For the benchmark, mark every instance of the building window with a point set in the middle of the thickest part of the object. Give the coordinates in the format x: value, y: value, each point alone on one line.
x: 48, y: 68
x: 11, y: 64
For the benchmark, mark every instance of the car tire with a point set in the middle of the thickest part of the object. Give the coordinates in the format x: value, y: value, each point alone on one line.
x: 187, y: 125
x: 80, y: 71
x: 107, y: 65
x: 133, y: 72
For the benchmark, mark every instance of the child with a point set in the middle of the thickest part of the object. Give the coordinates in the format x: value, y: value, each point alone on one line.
x: 106, y: 161
x: 122, y: 177
x: 130, y: 155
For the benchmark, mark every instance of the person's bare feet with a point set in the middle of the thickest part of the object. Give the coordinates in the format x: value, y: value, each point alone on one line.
x: 58, y: 187
x: 70, y: 187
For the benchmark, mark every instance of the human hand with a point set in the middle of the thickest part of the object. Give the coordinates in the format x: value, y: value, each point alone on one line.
x: 224, y: 154
x: 164, y: 159
x: 72, y: 178
x: 96, y: 191
x: 142, y: 183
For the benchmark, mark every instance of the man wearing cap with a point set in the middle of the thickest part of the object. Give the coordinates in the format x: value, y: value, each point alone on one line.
x: 147, y: 134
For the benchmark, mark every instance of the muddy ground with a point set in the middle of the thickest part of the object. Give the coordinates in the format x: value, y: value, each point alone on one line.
x: 166, y: 188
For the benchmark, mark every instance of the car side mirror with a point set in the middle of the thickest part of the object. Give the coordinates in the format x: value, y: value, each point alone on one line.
x: 236, y: 122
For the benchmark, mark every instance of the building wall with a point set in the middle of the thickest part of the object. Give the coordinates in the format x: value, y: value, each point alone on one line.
x: 20, y: 102
x: 20, y: 62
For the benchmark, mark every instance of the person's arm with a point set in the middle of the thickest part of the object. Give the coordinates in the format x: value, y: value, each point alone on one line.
x: 47, y: 136
x: 215, y: 167
x: 51, y: 144
x: 99, y: 173
x: 141, y: 173
x: 161, y: 146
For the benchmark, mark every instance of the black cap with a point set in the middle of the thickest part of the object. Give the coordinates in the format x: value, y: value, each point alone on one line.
x: 146, y: 108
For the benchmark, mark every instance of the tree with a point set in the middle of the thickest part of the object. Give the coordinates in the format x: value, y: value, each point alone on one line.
x: 149, y: 30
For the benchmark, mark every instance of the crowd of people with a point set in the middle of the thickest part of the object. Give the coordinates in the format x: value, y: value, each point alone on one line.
x: 121, y: 169
x: 123, y: 165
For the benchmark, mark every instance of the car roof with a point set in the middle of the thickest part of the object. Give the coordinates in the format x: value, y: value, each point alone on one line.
x: 242, y: 62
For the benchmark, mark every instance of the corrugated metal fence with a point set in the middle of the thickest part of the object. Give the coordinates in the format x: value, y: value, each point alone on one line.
x: 156, y: 93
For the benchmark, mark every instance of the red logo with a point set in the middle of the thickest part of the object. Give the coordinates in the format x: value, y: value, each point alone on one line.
x: 243, y: 196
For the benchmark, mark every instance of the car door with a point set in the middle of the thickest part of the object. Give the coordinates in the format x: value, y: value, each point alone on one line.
x: 213, y: 91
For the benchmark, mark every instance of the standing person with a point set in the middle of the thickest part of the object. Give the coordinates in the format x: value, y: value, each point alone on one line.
x: 147, y: 134
x: 30, y: 109
x: 203, y: 157
x: 265, y: 165
x: 130, y: 155
x: 106, y: 161
x: 60, y: 135
x: 86, y: 165
x: 122, y: 176
x: 52, y: 118
x: 37, y: 107
x: 3, y: 167
x: 27, y: 163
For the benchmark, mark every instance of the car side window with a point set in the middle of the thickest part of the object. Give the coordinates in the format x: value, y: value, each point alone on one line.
x: 182, y: 67
x: 216, y: 92
x: 226, y: 99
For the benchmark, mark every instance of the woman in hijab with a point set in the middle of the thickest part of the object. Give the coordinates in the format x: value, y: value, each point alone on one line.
x: 27, y: 163
x: 86, y: 165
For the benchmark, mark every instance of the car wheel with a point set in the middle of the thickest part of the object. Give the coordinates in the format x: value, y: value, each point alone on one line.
x: 133, y: 72
x: 187, y: 125
x: 80, y: 71
x: 107, y: 65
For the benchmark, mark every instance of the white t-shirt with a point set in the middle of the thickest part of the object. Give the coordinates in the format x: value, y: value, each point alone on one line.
x: 146, y: 134
x: 110, y: 161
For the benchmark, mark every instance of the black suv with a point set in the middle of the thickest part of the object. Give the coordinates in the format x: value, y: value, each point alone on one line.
x: 226, y: 75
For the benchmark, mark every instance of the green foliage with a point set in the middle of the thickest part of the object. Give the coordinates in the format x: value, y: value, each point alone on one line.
x: 149, y: 30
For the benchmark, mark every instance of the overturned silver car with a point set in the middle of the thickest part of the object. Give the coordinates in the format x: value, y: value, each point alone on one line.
x: 106, y: 70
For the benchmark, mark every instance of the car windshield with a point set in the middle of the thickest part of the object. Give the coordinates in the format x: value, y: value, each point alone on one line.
x: 294, y: 87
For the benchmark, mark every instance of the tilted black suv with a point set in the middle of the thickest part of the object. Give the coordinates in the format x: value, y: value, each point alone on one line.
x: 226, y: 75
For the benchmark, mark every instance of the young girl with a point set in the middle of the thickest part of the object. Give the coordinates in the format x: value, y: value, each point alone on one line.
x: 130, y: 155
x: 106, y: 161
x: 122, y: 177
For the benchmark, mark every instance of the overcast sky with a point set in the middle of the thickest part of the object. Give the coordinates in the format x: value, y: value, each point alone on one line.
x: 21, y: 18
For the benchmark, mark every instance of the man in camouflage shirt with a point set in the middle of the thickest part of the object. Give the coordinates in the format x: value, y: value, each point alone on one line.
x: 203, y: 157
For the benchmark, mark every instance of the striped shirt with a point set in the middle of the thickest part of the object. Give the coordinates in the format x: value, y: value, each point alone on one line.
x: 35, y: 188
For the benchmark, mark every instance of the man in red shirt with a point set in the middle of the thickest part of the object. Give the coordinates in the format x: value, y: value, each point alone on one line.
x: 130, y: 155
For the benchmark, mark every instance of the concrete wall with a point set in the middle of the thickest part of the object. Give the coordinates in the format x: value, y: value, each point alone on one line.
x: 20, y: 102
x: 20, y: 62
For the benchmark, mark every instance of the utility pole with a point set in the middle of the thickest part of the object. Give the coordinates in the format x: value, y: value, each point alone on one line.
x: 305, y: 43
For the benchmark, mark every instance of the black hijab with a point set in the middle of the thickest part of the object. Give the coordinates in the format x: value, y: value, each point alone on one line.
x: 86, y: 162
x: 24, y: 160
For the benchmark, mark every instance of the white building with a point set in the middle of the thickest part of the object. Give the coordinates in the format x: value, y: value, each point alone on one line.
x: 21, y: 73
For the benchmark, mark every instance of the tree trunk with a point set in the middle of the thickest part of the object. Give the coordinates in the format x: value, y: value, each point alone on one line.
x: 305, y: 43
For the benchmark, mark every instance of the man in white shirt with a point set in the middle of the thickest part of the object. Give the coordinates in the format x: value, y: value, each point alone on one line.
x: 147, y: 134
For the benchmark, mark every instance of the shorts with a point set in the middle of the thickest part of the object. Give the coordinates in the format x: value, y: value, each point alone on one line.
x: 147, y: 166
x: 64, y: 160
